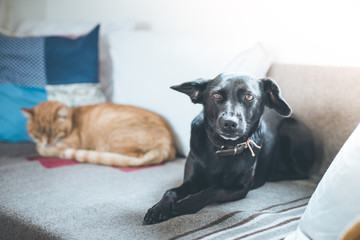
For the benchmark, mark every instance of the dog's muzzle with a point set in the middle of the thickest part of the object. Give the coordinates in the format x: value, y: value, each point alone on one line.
x: 229, y: 124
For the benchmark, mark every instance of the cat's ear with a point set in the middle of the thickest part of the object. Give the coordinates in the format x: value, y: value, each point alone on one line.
x: 27, y: 112
x: 64, y: 112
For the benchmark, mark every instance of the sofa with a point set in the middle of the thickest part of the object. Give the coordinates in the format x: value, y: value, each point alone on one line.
x: 61, y: 199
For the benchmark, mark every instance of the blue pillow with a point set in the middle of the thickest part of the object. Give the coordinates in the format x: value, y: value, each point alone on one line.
x: 29, y: 64
x: 72, y: 61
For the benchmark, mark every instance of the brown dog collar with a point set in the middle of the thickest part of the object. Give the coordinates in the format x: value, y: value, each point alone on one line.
x: 237, y: 149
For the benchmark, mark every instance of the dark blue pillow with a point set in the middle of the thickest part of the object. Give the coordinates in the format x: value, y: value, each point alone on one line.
x: 29, y: 64
x: 72, y: 60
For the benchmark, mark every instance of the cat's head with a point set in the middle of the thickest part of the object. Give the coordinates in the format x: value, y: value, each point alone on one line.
x: 48, y: 122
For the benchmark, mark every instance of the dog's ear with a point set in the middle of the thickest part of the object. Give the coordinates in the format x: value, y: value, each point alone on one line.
x: 273, y: 98
x: 194, y: 89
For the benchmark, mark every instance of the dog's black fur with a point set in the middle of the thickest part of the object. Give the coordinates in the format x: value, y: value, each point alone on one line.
x: 234, y: 111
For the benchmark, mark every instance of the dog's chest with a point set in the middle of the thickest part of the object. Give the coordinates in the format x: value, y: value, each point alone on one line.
x: 229, y: 171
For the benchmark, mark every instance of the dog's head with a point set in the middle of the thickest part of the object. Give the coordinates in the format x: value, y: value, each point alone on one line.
x: 234, y: 104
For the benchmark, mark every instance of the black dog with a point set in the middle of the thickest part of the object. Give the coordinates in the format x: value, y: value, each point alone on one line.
x: 236, y: 144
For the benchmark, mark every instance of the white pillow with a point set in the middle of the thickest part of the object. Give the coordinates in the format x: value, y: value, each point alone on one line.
x: 46, y: 28
x: 335, y: 202
x: 145, y: 65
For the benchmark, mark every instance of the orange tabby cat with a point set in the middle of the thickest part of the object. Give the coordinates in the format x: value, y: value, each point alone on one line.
x: 106, y: 133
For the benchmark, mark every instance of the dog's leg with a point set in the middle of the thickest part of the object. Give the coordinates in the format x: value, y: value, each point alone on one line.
x: 162, y: 210
x: 211, y: 195
x: 169, y: 207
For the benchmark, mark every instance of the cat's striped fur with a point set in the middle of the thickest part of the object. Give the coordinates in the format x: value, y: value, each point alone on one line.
x: 106, y: 133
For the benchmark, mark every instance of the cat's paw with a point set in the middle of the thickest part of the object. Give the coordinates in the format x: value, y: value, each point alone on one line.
x: 160, y: 212
x: 67, y: 153
x: 46, y: 150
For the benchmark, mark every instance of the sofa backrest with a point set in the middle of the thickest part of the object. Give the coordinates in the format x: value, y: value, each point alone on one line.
x: 327, y: 99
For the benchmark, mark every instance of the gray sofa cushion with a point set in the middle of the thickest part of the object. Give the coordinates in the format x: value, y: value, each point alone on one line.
x: 86, y: 201
x: 327, y: 99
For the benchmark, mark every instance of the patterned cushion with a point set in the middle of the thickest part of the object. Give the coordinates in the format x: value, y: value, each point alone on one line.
x: 22, y: 61
x: 36, y: 69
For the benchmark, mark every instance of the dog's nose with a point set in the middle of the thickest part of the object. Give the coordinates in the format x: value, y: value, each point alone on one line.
x: 228, y: 124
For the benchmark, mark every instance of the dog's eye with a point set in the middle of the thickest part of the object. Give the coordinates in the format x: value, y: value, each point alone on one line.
x: 249, y: 97
x: 216, y: 96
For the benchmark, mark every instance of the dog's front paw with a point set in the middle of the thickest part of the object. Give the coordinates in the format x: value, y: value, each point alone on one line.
x: 160, y: 212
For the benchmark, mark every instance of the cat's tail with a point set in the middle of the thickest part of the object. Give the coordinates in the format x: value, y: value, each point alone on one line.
x: 154, y: 156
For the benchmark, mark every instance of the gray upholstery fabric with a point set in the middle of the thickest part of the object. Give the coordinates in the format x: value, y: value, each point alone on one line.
x: 327, y: 99
x: 87, y: 201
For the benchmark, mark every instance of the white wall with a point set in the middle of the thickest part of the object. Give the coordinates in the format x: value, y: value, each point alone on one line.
x: 307, y: 31
x: 12, y: 12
